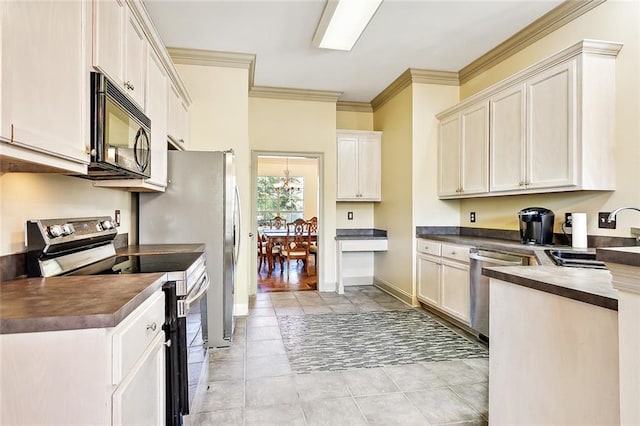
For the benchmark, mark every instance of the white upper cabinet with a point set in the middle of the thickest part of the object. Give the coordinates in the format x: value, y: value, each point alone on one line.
x: 551, y: 121
x: 359, y: 165
x: 156, y: 110
x: 177, y: 119
x: 550, y: 127
x: 449, y: 155
x: 44, y: 112
x: 507, y: 139
x: 119, y: 48
x: 464, y: 152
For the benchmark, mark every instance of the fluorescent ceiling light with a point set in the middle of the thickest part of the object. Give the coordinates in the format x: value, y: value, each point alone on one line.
x: 342, y: 23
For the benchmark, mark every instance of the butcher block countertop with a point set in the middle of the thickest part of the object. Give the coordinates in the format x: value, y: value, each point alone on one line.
x: 73, y: 302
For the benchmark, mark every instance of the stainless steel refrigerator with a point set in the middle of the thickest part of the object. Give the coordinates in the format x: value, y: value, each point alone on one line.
x: 200, y: 205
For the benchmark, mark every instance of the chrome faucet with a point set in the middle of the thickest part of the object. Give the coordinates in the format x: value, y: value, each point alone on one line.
x: 612, y: 217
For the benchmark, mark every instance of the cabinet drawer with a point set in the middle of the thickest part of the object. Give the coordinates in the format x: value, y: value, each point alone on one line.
x: 456, y: 252
x: 429, y: 247
x: 135, y: 333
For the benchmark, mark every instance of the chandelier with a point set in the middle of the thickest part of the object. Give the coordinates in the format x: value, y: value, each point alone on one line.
x: 286, y: 184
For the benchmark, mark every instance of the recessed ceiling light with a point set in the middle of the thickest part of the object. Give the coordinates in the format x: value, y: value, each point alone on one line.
x: 343, y: 22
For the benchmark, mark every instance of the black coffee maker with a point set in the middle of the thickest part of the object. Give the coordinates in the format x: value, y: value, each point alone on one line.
x: 536, y: 225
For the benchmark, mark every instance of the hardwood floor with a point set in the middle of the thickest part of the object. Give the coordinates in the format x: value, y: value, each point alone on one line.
x: 297, y: 280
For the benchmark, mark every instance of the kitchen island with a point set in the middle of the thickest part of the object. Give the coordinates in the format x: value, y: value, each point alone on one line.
x: 554, y: 346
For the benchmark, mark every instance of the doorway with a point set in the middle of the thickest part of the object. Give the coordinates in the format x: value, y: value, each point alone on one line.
x: 286, y: 186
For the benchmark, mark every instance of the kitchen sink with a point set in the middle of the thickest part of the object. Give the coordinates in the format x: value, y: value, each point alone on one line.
x: 576, y: 259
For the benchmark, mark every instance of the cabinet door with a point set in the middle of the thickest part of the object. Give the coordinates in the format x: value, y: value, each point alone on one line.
x: 369, y: 167
x: 507, y: 147
x: 108, y: 38
x: 429, y: 277
x: 156, y: 109
x: 177, y: 118
x: 449, y: 156
x: 135, y: 60
x: 474, y: 176
x: 140, y: 397
x: 455, y: 290
x: 44, y: 103
x: 551, y: 121
x: 347, y: 168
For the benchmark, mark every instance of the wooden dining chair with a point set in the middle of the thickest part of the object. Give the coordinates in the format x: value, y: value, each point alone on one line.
x: 263, y: 256
x: 278, y: 223
x: 313, y: 244
x: 296, y: 245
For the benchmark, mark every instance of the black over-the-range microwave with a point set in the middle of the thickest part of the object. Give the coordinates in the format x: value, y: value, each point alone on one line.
x: 120, y: 134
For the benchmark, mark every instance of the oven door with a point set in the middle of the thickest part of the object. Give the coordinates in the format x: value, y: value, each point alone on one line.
x: 191, y: 345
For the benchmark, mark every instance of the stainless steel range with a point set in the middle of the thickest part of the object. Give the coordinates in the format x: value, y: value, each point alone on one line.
x: 84, y: 246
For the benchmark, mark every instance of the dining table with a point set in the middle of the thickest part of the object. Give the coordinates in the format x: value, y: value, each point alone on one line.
x: 275, y: 236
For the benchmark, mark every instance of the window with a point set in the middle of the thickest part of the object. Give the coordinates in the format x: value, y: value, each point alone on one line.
x: 278, y: 196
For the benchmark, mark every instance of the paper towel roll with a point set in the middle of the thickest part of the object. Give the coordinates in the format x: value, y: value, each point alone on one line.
x: 579, y: 230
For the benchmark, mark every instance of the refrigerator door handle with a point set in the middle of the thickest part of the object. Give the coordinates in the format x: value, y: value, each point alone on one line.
x: 237, y: 234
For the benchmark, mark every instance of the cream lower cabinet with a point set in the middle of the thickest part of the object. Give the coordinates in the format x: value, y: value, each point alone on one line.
x: 359, y: 165
x: 44, y: 114
x: 443, y: 278
x: 87, y: 376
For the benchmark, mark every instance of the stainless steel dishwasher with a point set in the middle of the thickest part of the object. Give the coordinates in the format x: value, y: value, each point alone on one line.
x: 479, y: 291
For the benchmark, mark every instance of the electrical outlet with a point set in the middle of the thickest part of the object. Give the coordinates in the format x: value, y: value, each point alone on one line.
x: 116, y: 217
x: 472, y: 217
x: 349, y: 215
x: 604, y: 223
x: 567, y: 220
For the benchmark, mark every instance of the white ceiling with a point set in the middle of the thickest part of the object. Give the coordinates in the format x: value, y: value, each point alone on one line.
x: 443, y: 35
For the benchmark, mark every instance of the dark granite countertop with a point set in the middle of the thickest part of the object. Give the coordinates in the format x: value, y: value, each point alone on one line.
x: 621, y: 255
x: 142, y: 249
x: 68, y: 303
x: 591, y: 286
x: 586, y: 285
x: 361, y: 234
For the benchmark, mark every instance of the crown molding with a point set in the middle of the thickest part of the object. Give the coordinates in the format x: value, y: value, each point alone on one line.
x: 414, y: 75
x: 294, y: 94
x: 212, y: 58
x: 354, y: 106
x: 546, y: 24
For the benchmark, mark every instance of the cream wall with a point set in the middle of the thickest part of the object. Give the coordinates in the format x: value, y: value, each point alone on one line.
x: 428, y: 210
x: 219, y: 120
x: 354, y: 120
x: 25, y: 196
x: 278, y: 125
x: 394, y: 267
x: 298, y: 167
x: 614, y: 21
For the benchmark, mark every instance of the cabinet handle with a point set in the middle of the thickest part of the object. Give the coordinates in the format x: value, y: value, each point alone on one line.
x: 521, y: 184
x: 129, y: 86
x: 453, y: 253
x: 168, y: 343
x: 152, y: 326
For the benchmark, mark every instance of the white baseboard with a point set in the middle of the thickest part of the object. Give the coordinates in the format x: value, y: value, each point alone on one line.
x: 396, y: 292
x: 240, y: 309
x: 365, y: 280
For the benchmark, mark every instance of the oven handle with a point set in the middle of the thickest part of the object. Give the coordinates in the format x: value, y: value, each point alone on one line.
x: 204, y: 286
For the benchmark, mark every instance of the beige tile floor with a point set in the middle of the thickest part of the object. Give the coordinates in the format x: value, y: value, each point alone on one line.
x: 252, y: 383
